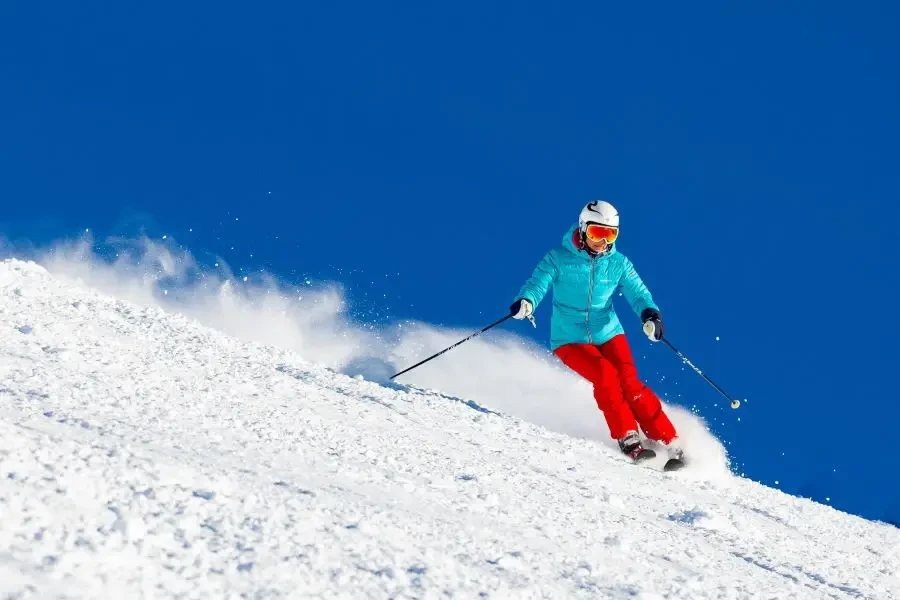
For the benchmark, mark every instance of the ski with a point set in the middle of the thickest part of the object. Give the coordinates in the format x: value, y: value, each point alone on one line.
x: 673, y: 464
x: 641, y: 454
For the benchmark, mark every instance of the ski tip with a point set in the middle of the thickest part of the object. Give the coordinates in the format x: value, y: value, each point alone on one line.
x: 673, y: 464
x: 643, y: 456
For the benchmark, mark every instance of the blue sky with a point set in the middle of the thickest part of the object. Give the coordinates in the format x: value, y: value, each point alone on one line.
x: 428, y: 155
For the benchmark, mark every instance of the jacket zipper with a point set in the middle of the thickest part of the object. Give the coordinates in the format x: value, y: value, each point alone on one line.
x: 587, y: 317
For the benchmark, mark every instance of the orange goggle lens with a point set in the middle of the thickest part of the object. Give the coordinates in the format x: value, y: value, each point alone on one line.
x: 595, y: 233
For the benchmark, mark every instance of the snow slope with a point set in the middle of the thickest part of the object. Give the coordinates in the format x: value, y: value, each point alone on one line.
x: 143, y: 455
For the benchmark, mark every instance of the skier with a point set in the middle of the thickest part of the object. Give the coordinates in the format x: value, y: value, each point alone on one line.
x: 586, y: 335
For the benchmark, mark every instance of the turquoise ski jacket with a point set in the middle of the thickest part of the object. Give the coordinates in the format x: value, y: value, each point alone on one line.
x: 583, y: 290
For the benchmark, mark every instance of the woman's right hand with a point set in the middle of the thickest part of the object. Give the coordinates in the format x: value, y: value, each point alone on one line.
x: 521, y: 309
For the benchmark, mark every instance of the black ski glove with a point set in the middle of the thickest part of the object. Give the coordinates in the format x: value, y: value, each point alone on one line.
x: 653, y: 325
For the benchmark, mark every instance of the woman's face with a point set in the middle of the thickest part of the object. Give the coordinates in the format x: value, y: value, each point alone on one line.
x: 599, y: 247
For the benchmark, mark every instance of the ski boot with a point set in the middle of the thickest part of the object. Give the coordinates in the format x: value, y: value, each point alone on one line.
x: 631, y: 446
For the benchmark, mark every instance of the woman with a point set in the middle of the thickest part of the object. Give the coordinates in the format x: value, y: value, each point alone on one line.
x: 585, y: 272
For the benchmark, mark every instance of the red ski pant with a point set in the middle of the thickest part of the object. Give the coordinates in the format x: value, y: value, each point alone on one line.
x: 625, y: 401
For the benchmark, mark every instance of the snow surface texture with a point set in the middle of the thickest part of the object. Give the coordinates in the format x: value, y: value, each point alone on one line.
x: 145, y: 455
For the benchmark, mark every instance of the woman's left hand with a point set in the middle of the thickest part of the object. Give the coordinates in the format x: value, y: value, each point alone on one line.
x: 653, y: 326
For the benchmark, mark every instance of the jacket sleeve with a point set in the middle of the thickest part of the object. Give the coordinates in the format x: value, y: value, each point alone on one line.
x: 540, y: 281
x: 635, y: 291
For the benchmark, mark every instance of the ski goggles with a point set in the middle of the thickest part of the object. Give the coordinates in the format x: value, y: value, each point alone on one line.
x: 595, y: 233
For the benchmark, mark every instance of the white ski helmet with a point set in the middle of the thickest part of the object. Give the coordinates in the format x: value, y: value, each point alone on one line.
x: 600, y: 212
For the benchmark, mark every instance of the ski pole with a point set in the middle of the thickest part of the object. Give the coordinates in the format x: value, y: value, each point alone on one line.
x: 492, y: 325
x: 734, y: 401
